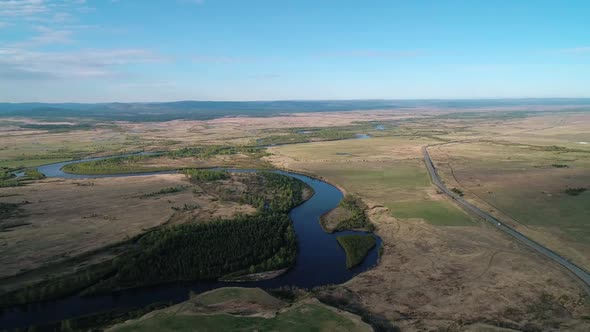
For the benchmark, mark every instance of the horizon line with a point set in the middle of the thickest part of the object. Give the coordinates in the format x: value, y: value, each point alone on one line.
x: 298, y: 100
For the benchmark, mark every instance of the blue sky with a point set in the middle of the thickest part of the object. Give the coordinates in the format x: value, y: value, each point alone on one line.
x: 140, y: 50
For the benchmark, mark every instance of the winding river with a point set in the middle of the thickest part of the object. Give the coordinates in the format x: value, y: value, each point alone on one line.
x: 320, y: 261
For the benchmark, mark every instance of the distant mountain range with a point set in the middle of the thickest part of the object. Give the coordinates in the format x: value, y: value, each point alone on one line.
x: 162, y: 111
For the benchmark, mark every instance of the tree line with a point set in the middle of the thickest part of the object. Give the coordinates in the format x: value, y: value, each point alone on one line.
x: 198, y: 175
x: 208, y: 151
x: 208, y: 251
x: 112, y: 165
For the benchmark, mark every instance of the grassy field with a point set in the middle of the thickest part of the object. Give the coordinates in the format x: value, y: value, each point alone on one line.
x: 230, y: 310
x: 527, y: 185
x: 386, y: 171
x: 427, y: 268
x: 381, y: 181
x: 401, y: 175
x: 442, y: 212
x: 31, y: 162
x: 356, y: 248
x: 33, y: 148
x: 570, y: 213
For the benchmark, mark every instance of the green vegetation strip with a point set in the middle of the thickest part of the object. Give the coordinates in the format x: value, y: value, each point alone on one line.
x: 33, y: 174
x: 8, y: 179
x: 57, y: 127
x: 440, y: 213
x: 306, y: 136
x: 137, y: 163
x: 575, y: 191
x: 208, y: 151
x: 114, y: 165
x: 356, y: 248
x: 196, y: 175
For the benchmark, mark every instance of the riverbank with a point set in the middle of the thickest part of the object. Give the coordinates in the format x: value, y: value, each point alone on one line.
x: 266, y: 275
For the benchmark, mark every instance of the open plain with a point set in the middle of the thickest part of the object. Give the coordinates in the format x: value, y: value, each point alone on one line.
x: 440, y: 267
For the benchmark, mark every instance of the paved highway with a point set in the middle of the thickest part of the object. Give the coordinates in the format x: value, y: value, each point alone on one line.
x: 576, y: 270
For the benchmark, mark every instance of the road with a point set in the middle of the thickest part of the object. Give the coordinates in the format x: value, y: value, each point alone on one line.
x: 576, y: 270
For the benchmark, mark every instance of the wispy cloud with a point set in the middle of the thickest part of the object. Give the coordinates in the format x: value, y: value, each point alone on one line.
x: 46, y: 36
x: 575, y: 50
x: 54, y: 22
x: 24, y: 64
x: 222, y: 59
x: 48, y: 11
x: 19, y: 8
x: 144, y: 85
x: 370, y: 54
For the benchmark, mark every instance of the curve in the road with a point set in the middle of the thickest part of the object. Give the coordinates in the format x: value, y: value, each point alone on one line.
x: 583, y: 275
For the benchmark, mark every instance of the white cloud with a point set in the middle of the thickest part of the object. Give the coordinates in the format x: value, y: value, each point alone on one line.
x: 17, y: 8
x: 220, y: 59
x: 4, y: 25
x: 49, y: 11
x: 24, y: 64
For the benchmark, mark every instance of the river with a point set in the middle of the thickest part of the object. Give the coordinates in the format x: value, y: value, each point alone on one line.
x: 320, y: 261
